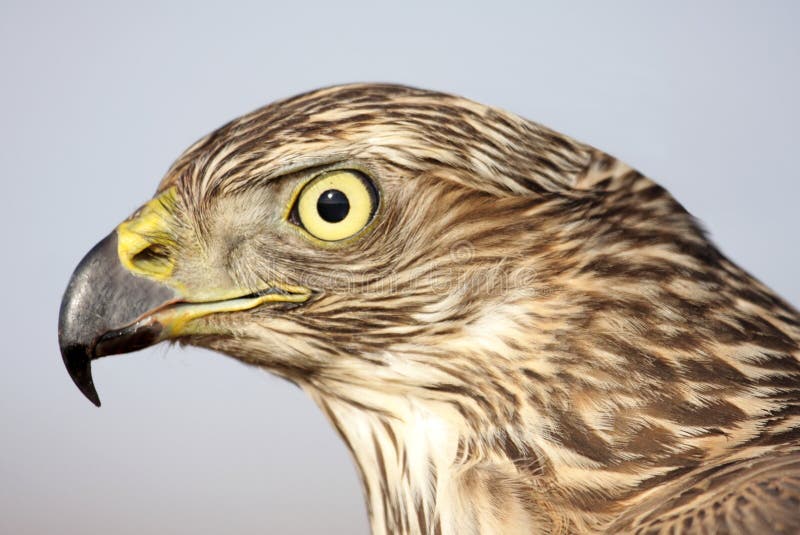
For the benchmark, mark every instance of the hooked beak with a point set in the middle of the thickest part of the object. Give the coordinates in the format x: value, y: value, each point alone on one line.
x: 101, y: 312
x: 107, y: 309
x: 123, y: 296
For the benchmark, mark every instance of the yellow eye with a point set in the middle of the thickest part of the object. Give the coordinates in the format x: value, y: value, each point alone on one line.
x: 336, y: 205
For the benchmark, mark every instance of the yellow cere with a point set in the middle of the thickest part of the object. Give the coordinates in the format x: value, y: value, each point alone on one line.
x: 144, y: 241
x: 358, y: 196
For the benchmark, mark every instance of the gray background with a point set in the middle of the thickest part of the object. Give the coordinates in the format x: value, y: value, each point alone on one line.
x: 97, y: 100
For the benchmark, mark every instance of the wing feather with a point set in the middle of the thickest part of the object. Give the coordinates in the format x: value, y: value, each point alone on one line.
x: 754, y: 497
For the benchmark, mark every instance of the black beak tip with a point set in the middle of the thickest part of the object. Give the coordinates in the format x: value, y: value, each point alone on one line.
x: 79, y: 366
x: 100, y: 310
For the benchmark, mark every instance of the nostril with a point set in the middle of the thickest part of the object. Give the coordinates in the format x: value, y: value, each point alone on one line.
x: 146, y: 243
x: 152, y: 258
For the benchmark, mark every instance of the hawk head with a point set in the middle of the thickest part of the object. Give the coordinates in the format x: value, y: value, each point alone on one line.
x: 475, y: 301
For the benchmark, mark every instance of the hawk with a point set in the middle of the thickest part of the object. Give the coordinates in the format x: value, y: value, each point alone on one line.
x: 512, y: 331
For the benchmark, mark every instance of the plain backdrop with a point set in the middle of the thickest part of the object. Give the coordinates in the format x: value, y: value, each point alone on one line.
x: 97, y: 99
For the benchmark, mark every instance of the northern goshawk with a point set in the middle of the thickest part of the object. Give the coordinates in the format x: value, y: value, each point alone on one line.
x: 512, y: 331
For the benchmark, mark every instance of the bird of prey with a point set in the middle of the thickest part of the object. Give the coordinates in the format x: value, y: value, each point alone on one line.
x: 512, y: 331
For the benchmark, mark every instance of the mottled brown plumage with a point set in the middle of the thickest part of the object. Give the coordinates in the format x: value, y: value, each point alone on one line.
x: 529, y: 337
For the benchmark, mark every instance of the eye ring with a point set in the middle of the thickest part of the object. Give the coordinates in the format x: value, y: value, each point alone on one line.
x: 336, y: 205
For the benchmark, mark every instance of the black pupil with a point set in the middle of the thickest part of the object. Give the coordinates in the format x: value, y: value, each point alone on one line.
x: 333, y: 206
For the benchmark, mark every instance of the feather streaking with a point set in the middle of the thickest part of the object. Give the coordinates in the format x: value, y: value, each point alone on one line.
x: 531, y: 336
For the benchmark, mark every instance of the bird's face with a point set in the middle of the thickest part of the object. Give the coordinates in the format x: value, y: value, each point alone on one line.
x: 302, y: 273
x: 316, y: 236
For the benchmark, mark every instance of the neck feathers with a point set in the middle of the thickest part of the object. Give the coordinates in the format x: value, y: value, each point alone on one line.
x: 402, y: 457
x: 423, y: 475
x: 417, y: 474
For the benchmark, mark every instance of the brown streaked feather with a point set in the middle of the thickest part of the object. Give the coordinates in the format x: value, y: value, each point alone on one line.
x: 533, y: 337
x: 748, y: 497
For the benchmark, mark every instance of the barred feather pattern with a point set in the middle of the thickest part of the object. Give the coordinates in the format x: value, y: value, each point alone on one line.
x: 533, y: 337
